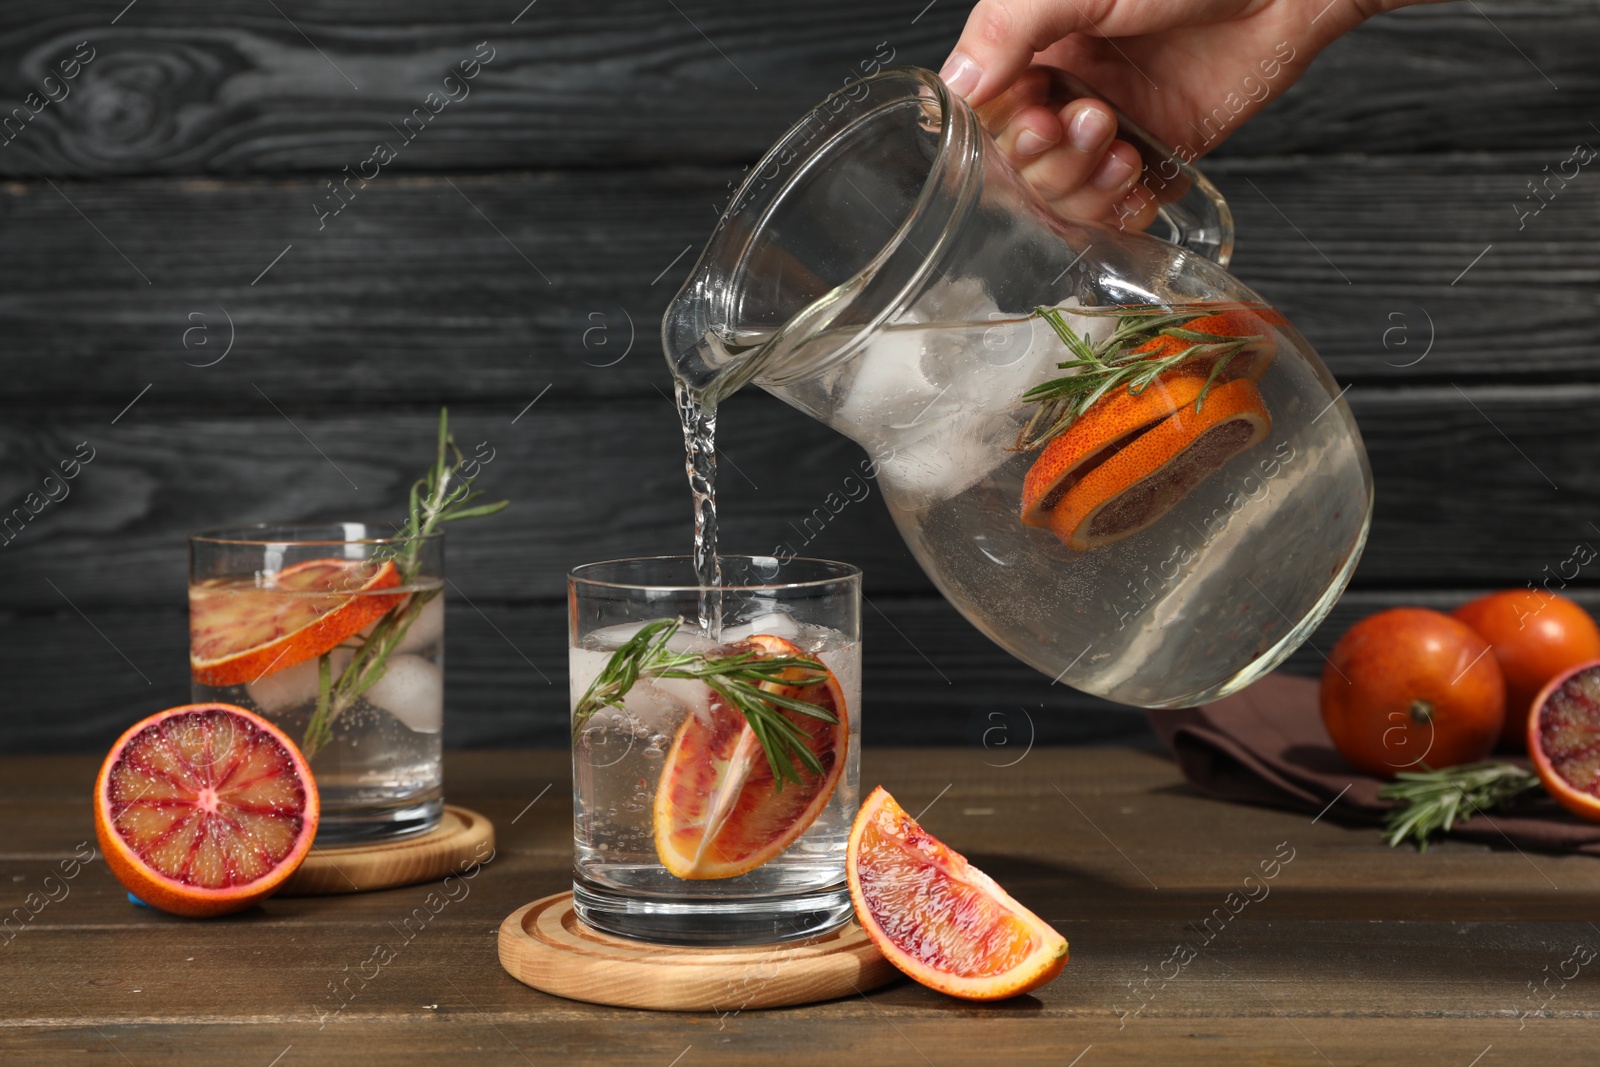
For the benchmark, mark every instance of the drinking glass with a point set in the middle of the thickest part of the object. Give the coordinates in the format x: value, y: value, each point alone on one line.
x: 334, y: 633
x: 671, y: 775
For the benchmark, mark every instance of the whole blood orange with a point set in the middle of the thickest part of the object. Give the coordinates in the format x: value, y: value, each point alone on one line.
x: 1563, y: 738
x: 204, y: 809
x: 1536, y: 635
x: 718, y: 812
x: 938, y: 918
x: 1155, y: 469
x: 238, y: 633
x: 1096, y: 436
x: 1410, y: 687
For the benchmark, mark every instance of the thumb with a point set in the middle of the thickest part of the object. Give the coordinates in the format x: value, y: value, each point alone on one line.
x: 999, y: 40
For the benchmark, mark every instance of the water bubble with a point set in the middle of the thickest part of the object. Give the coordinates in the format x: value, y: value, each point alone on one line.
x: 766, y: 566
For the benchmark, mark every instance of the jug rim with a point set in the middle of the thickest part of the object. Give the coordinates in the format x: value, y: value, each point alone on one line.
x: 948, y: 189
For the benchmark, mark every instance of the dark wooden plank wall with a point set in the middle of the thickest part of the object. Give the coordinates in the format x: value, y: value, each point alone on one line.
x: 529, y: 236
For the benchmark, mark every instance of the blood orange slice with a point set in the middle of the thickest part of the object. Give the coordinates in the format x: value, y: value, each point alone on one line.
x: 1151, y: 473
x: 718, y: 812
x: 1096, y: 435
x: 938, y: 918
x: 238, y: 633
x: 1245, y: 323
x: 1564, y: 739
x: 204, y: 809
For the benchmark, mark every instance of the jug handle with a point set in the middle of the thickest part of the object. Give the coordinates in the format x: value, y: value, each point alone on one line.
x: 1186, y: 201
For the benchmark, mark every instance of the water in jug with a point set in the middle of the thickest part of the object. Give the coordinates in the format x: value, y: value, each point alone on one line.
x: 1114, y: 458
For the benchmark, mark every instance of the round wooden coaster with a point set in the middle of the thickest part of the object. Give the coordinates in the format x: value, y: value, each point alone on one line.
x: 545, y: 946
x: 462, y: 838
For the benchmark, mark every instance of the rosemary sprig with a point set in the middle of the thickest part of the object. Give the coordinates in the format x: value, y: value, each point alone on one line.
x: 443, y: 494
x: 737, y: 678
x: 1433, y: 801
x: 1114, y: 362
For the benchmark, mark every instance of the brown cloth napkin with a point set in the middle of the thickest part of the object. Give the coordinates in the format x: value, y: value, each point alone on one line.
x: 1266, y: 745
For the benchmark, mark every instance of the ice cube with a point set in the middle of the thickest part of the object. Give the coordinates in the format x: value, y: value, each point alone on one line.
x: 412, y: 690
x: 283, y: 689
x: 955, y: 353
x: 777, y: 623
x: 885, y: 386
x: 611, y: 638
x: 943, y: 409
x: 583, y: 666
x: 687, y: 694
x: 660, y: 703
x: 845, y: 663
x: 426, y: 629
x: 942, y: 465
x: 690, y: 640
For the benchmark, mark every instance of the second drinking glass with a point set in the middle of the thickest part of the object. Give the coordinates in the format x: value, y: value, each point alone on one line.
x: 335, y: 633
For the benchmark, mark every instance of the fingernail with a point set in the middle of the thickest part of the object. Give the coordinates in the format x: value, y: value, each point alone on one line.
x: 961, y: 73
x: 1090, y: 128
x: 1031, y: 144
x: 1112, y: 173
x: 1129, y: 207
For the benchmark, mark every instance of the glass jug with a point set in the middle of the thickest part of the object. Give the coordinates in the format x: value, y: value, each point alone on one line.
x: 1110, y: 455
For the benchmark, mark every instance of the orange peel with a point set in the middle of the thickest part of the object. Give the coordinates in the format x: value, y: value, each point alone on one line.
x: 717, y: 811
x: 1096, y: 435
x: 938, y: 918
x: 1148, y: 475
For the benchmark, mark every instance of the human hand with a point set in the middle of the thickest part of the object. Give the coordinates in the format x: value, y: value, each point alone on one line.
x: 1188, y: 71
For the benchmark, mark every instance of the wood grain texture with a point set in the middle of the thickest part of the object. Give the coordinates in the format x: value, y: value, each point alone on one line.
x: 533, y: 230
x: 929, y: 677
x: 544, y: 945
x: 1370, y: 955
x: 462, y: 838
x: 1462, y: 504
x: 1474, y: 486
x: 456, y: 1035
x: 491, y: 288
x: 506, y: 680
x: 235, y: 88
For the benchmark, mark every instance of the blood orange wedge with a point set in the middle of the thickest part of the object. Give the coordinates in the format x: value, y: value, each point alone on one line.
x: 938, y: 918
x: 1151, y: 473
x: 1564, y: 739
x: 718, y: 811
x: 1249, y: 324
x: 1096, y: 435
x: 237, y: 633
x: 204, y: 809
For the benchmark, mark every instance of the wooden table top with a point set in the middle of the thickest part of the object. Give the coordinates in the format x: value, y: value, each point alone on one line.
x: 1349, y: 953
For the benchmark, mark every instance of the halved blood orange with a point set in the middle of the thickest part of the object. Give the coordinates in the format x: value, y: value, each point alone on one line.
x: 1096, y: 435
x: 1564, y: 739
x: 938, y: 918
x: 204, y: 809
x: 1151, y: 473
x: 718, y: 812
x: 237, y: 633
x: 1234, y: 323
